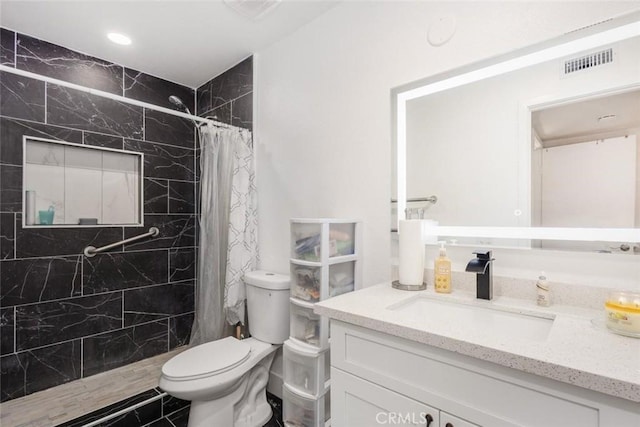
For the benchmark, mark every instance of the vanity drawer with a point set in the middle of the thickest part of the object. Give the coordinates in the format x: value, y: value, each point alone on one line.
x: 306, y: 371
x: 299, y: 411
x: 308, y: 327
x: 360, y: 403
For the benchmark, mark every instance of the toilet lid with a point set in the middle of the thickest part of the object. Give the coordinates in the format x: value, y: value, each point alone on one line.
x: 207, y: 359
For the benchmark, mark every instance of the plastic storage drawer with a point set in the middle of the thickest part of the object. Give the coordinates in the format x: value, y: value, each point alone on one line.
x: 341, y: 239
x: 306, y: 371
x: 298, y: 411
x: 305, y: 282
x: 308, y: 327
x: 306, y: 239
x: 341, y: 278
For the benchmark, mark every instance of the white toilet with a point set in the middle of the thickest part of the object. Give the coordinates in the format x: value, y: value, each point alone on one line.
x: 226, y: 379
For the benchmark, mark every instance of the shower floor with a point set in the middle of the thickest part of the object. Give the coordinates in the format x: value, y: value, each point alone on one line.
x: 83, y: 401
x: 66, y: 402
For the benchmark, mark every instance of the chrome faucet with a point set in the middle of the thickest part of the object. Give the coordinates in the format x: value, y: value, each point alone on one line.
x: 481, y: 265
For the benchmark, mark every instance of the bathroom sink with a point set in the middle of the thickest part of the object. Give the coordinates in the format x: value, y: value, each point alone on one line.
x: 475, y: 319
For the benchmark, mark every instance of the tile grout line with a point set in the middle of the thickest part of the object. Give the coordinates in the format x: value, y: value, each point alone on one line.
x: 15, y: 234
x: 18, y: 119
x: 15, y: 330
x: 81, y: 357
x: 81, y: 275
x: 123, y: 252
x: 122, y: 312
x: 144, y: 122
x: 46, y: 85
x: 149, y: 322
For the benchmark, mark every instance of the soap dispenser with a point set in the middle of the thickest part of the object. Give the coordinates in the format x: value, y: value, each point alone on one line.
x: 442, y: 270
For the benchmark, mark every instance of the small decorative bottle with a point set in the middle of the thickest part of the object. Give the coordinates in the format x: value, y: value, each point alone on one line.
x: 542, y: 287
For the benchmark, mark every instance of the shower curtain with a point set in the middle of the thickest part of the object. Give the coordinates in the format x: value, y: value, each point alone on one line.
x: 228, y: 230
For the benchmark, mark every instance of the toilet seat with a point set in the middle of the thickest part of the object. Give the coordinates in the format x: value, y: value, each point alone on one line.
x: 207, y: 359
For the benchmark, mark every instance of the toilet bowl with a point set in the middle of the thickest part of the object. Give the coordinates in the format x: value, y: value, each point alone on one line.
x: 226, y: 379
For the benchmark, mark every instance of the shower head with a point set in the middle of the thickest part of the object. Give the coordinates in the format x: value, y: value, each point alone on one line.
x: 178, y: 103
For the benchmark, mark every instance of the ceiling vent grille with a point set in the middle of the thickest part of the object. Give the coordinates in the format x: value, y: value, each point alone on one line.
x: 588, y: 61
x: 252, y: 9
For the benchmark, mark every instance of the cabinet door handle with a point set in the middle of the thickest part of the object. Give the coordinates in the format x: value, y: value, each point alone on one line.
x: 429, y: 419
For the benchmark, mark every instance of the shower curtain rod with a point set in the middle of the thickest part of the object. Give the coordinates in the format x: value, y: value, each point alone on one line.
x: 113, y: 96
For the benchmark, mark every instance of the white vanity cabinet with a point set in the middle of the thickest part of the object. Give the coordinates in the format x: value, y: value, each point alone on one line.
x: 380, y: 379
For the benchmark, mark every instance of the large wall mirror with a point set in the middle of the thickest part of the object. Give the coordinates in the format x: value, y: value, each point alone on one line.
x: 539, y: 147
x: 73, y: 185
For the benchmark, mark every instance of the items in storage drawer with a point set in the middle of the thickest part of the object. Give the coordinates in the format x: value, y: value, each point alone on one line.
x: 308, y: 327
x: 308, y: 248
x: 298, y: 411
x: 307, y: 280
x: 341, y: 278
x: 306, y: 283
x: 307, y: 240
x: 306, y: 371
x: 343, y: 234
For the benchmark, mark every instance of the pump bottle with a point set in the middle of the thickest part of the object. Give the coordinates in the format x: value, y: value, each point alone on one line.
x: 442, y: 270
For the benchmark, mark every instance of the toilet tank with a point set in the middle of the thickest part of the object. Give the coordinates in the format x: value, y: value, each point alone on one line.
x: 268, y: 305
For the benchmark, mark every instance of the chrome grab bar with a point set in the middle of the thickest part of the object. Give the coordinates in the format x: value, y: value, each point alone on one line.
x: 430, y: 199
x: 91, y: 251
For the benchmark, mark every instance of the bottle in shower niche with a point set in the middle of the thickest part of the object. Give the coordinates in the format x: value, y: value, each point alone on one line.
x: 442, y: 271
x: 542, y: 288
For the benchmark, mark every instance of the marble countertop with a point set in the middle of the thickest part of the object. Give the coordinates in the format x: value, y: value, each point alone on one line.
x: 578, y: 349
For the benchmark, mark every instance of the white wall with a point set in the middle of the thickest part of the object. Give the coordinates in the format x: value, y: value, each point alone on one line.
x: 322, y: 122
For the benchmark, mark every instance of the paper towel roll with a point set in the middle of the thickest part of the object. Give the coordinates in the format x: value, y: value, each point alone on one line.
x: 30, y: 208
x: 411, y: 252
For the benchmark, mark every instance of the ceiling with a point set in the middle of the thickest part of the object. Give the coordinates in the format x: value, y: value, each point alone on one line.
x: 184, y: 41
x: 593, y: 118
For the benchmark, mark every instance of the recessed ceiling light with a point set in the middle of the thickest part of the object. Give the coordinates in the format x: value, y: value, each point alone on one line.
x: 119, y: 38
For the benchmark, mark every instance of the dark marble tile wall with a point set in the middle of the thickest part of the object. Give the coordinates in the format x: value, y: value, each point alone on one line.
x: 229, y: 96
x: 64, y: 316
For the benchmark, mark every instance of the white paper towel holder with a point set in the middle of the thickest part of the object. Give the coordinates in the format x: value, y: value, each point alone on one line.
x: 397, y: 285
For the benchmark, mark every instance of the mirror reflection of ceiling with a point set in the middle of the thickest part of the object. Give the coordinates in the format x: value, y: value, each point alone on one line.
x: 594, y: 118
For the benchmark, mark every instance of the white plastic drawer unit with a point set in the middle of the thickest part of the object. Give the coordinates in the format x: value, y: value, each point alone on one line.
x: 308, y: 327
x: 306, y: 371
x: 298, y: 411
x: 306, y: 239
x: 306, y: 281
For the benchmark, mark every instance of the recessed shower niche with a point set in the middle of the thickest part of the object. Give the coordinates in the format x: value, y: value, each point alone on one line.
x: 73, y: 185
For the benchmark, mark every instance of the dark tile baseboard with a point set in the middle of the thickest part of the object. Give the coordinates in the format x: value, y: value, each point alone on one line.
x: 152, y: 409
